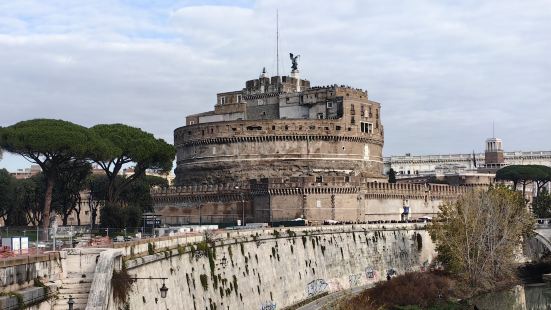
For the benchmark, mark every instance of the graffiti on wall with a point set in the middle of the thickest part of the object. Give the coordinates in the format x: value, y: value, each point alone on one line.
x: 315, y: 287
x: 354, y: 279
x: 369, y: 272
x: 268, y: 305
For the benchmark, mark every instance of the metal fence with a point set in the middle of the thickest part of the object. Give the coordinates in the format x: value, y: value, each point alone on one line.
x: 28, y: 240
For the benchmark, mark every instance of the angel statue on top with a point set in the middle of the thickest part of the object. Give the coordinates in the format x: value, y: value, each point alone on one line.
x: 294, y: 66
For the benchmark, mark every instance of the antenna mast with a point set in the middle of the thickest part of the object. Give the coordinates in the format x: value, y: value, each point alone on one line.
x: 277, y: 47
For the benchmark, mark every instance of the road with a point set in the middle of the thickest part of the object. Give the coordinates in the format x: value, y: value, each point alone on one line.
x: 328, y: 299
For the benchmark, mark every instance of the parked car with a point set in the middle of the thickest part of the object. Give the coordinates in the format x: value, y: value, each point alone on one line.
x: 425, y: 218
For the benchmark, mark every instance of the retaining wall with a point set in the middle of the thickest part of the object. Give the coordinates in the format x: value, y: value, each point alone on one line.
x: 275, y: 268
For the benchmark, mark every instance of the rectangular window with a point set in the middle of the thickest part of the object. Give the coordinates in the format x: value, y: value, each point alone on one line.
x: 320, y: 115
x: 260, y: 102
x: 319, y: 179
x: 318, y: 203
x: 238, y: 98
x: 366, y: 127
x: 222, y: 100
x: 191, y: 122
x: 329, y: 104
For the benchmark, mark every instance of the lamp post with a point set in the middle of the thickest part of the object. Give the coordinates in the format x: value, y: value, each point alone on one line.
x: 242, y: 206
x: 200, y: 216
x: 163, y: 290
x: 71, y: 302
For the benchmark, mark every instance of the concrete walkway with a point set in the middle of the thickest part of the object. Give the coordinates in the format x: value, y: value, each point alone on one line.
x: 328, y: 299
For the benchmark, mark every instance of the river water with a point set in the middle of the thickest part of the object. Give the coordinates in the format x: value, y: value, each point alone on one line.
x: 521, y: 297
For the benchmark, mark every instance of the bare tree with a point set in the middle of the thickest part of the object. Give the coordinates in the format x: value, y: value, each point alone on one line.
x: 477, y: 236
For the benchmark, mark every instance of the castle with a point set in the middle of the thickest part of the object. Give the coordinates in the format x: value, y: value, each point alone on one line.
x: 282, y: 127
x: 281, y: 149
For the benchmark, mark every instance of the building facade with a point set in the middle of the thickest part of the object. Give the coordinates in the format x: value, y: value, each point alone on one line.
x: 282, y: 127
x: 280, y: 149
x: 493, y: 158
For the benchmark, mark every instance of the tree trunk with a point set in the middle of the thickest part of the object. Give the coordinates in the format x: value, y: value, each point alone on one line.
x: 94, y: 214
x: 66, y: 217
x: 47, y: 205
x: 110, y: 192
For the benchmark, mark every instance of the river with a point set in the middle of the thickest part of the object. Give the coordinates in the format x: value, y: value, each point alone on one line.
x: 521, y: 297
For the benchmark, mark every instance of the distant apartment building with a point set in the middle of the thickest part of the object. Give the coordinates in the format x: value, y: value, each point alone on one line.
x: 494, y: 157
x: 463, y: 169
x: 26, y: 173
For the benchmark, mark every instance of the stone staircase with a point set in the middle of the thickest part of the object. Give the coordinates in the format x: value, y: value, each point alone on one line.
x: 76, y: 286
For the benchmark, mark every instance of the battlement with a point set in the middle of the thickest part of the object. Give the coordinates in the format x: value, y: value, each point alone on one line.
x: 274, y: 129
x: 314, y: 185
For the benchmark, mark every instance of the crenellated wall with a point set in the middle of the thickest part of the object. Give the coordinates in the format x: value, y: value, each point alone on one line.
x: 272, y: 269
x: 241, y: 150
x: 350, y: 199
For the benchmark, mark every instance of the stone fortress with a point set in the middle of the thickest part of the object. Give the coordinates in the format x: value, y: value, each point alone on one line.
x: 281, y: 127
x: 281, y: 149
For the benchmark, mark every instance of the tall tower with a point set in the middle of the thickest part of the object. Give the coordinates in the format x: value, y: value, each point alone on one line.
x: 493, y: 156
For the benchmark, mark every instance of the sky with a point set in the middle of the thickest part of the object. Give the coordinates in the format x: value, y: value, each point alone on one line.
x: 443, y: 71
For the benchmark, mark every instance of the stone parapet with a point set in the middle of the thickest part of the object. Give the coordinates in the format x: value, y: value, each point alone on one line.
x: 302, y: 186
x: 295, y: 129
x: 278, y: 199
x: 20, y: 272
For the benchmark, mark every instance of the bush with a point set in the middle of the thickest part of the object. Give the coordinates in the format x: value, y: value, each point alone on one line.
x: 121, y: 282
x: 411, y: 289
x: 150, y: 248
x: 117, y: 216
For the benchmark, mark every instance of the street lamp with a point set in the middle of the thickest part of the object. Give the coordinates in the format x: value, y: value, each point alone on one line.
x: 224, y: 262
x: 242, y: 207
x: 200, y: 216
x: 71, y: 302
x: 163, y: 290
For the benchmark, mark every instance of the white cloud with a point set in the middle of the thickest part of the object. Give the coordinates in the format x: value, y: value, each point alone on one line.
x: 443, y: 71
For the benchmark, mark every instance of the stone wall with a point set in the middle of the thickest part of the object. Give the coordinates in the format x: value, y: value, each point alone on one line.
x: 20, y: 272
x: 268, y: 269
x: 279, y: 199
x: 243, y: 150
